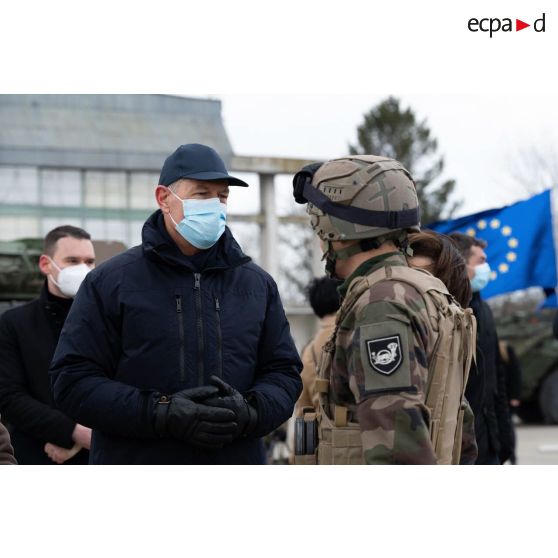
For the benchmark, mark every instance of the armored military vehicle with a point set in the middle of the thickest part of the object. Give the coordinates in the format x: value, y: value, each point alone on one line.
x: 530, y: 335
x: 20, y: 278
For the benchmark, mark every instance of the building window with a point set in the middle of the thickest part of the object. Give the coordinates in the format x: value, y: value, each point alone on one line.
x: 105, y: 189
x: 19, y: 185
x: 107, y: 229
x: 142, y: 190
x: 61, y: 188
x: 135, y: 228
x: 49, y: 223
x: 12, y: 228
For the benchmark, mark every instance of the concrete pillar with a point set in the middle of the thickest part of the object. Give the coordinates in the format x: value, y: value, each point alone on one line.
x: 269, y: 248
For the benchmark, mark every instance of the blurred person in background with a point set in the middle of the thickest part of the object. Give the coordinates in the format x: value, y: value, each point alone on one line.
x: 438, y: 254
x: 486, y: 388
x: 512, y: 373
x: 325, y: 301
x: 41, y: 434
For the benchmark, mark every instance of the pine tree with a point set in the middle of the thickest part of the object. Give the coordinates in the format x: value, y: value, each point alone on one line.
x: 393, y: 132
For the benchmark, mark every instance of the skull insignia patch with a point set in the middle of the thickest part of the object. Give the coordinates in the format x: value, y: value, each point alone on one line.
x: 385, y: 354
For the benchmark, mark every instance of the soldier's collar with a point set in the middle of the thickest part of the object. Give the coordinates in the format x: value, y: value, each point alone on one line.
x: 369, y: 266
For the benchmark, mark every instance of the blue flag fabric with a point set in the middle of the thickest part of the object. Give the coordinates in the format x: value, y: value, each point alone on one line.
x: 520, y: 247
x: 551, y: 301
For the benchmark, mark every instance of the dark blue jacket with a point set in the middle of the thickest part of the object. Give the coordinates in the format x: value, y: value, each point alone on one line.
x: 153, y: 320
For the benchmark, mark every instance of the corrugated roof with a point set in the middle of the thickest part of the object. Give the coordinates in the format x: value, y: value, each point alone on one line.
x: 106, y: 131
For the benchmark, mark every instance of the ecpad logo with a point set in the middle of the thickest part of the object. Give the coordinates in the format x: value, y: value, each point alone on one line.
x: 493, y: 25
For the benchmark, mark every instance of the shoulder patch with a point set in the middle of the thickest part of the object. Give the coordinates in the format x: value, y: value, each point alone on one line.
x: 385, y: 354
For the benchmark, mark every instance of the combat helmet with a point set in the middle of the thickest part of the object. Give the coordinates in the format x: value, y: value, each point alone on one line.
x: 367, y: 198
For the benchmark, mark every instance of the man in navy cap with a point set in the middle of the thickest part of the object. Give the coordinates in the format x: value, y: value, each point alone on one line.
x: 178, y: 351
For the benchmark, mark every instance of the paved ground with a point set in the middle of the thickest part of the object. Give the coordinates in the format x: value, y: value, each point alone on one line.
x: 537, y: 445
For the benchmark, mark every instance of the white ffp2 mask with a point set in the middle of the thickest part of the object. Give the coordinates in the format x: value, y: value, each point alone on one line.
x: 70, y: 278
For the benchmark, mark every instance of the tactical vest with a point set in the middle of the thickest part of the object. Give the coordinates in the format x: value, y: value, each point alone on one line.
x: 454, y: 329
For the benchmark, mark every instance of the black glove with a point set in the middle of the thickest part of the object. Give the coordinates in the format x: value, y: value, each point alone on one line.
x: 246, y: 416
x: 183, y: 417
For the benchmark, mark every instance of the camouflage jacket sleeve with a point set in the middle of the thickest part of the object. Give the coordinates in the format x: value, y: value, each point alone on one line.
x: 380, y: 372
x: 469, y: 449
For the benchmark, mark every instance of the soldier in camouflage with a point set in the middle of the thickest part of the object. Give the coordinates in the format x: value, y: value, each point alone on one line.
x: 375, y: 369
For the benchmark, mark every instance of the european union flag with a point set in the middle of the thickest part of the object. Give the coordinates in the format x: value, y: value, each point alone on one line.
x: 520, y: 247
x: 551, y: 300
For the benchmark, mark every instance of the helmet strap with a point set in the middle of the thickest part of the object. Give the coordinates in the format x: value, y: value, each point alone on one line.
x: 361, y: 246
x: 330, y: 257
x: 399, y: 238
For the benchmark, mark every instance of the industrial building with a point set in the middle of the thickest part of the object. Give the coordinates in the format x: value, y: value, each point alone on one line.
x: 93, y: 161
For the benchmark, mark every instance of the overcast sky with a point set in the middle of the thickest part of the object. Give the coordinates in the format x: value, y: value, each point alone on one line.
x: 479, y: 135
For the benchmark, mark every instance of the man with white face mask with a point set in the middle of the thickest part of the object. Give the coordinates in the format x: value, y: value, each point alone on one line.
x: 486, y: 388
x: 41, y: 434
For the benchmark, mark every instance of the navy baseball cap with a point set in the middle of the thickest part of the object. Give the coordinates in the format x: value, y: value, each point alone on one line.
x: 196, y: 161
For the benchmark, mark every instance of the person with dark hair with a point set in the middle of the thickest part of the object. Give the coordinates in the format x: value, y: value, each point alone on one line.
x: 325, y: 301
x: 486, y: 387
x: 439, y: 255
x: 178, y: 351
x: 323, y: 296
x: 41, y: 434
x: 511, y: 370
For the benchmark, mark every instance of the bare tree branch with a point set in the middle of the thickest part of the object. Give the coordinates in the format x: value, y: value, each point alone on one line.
x: 535, y: 168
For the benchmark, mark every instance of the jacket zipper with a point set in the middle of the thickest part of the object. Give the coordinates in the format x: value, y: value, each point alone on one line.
x: 219, y: 339
x: 181, y: 336
x: 199, y: 327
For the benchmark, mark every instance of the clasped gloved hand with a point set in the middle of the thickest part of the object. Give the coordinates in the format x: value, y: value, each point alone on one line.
x: 246, y: 416
x: 185, y: 416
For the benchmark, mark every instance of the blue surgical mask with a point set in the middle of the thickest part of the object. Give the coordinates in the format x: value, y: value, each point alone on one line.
x: 481, y: 278
x: 203, y: 223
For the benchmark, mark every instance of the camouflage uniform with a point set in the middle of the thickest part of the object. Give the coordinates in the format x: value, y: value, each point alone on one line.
x: 379, y: 364
x: 390, y: 408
